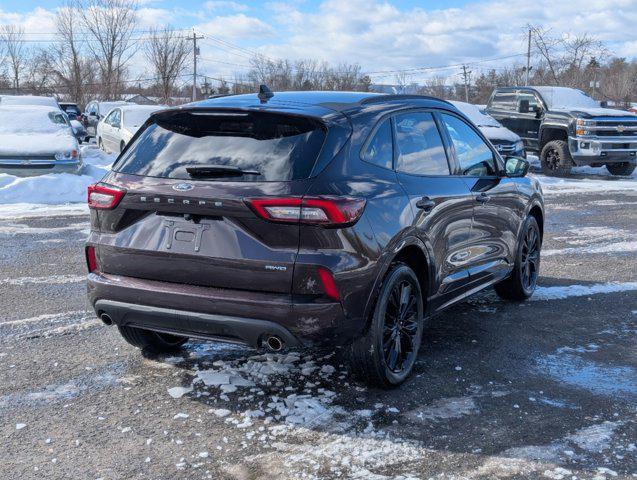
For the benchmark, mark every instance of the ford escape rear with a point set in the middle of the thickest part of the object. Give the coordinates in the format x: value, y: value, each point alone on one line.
x: 315, y: 218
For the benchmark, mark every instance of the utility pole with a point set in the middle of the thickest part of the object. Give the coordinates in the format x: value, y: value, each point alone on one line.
x: 528, y: 60
x: 195, y: 53
x: 465, y: 74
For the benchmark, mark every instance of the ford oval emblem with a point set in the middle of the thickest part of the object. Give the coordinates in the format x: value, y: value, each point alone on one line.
x: 183, y: 187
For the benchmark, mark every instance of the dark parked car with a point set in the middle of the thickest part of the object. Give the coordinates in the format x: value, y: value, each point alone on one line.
x: 72, y: 110
x: 305, y: 219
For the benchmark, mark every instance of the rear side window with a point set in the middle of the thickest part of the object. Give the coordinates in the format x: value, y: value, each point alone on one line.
x: 420, y: 150
x: 474, y: 155
x: 379, y: 151
x: 278, y: 147
x: 504, y: 101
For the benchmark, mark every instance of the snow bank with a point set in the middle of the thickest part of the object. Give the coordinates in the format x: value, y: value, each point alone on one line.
x: 55, y: 188
x: 556, y: 186
x: 560, y: 293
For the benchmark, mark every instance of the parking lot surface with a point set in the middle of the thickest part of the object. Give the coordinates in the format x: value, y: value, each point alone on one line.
x: 541, y: 389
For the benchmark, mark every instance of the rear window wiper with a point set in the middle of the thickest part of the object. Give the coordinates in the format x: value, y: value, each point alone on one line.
x: 219, y: 171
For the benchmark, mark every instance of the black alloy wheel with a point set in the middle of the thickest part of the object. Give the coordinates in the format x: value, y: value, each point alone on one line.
x: 530, y: 261
x: 521, y: 283
x: 400, y: 326
x: 385, y: 355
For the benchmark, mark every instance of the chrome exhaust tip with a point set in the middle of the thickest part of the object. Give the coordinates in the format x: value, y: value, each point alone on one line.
x: 106, y: 319
x: 274, y: 343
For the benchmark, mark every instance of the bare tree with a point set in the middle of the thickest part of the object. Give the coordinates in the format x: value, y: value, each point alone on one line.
x: 110, y: 25
x: 12, y: 37
x: 72, y: 68
x: 167, y: 51
x: 39, y: 76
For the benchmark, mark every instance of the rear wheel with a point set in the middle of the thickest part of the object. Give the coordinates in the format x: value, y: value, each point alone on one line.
x: 152, y: 342
x: 386, y: 354
x: 556, y: 159
x: 522, y: 282
x: 623, y: 168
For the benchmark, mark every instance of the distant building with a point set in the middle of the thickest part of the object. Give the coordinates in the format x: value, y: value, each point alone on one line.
x: 139, y: 99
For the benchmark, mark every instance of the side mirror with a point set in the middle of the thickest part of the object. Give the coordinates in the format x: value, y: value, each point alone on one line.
x: 538, y: 111
x: 523, y: 106
x: 516, y: 167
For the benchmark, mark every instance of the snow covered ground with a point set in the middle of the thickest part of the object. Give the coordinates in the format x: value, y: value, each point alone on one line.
x: 540, y: 389
x: 54, y: 192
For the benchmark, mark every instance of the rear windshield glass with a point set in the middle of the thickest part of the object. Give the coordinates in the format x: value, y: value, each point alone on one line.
x: 278, y: 147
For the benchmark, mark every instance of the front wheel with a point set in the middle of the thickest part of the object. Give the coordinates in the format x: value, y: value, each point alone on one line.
x: 521, y: 284
x: 624, y: 168
x: 152, y: 342
x: 386, y: 354
x: 556, y: 159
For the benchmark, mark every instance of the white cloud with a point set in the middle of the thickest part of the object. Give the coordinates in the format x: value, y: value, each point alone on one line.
x: 225, y: 5
x: 378, y: 34
x: 38, y: 20
x: 235, y: 27
x: 381, y: 36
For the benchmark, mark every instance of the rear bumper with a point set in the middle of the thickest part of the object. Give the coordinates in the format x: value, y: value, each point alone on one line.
x: 206, y: 326
x: 237, y: 316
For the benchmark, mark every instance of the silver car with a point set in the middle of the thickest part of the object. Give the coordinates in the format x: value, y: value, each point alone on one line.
x: 35, y: 140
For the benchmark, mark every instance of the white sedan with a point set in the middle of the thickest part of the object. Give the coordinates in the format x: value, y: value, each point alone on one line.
x: 121, y: 123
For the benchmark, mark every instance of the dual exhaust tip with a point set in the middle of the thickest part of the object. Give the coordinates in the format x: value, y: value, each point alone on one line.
x: 271, y: 342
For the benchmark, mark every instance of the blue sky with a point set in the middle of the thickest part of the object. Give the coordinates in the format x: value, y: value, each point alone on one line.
x: 381, y: 36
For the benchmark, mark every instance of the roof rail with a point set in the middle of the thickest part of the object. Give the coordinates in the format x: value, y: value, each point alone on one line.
x: 397, y: 96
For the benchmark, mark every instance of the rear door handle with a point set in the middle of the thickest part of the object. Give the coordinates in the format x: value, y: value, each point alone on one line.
x: 426, y: 204
x: 483, y: 198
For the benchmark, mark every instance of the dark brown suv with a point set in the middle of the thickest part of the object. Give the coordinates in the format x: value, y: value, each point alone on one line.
x: 305, y: 219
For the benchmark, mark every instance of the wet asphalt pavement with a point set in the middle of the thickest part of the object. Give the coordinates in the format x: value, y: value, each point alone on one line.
x: 543, y: 389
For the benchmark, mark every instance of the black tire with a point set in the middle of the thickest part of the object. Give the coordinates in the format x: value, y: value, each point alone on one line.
x: 393, y: 326
x: 521, y: 284
x: 556, y: 159
x: 152, y: 342
x: 623, y: 168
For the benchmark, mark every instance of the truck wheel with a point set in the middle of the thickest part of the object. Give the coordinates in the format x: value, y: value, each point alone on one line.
x: 152, y: 342
x: 521, y: 284
x: 623, y: 168
x: 386, y: 354
x: 556, y: 158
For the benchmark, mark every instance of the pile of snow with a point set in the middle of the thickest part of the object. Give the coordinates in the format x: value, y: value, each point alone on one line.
x: 563, y: 292
x: 56, y: 188
x: 556, y: 185
x: 305, y: 404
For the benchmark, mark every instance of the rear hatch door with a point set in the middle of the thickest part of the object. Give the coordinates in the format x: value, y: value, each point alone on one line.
x: 184, y: 217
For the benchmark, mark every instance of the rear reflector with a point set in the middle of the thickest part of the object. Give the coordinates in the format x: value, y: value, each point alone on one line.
x: 325, y: 211
x: 329, y: 286
x: 104, y: 197
x: 91, y: 259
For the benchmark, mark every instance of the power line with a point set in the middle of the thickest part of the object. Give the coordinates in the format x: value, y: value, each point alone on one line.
x: 443, y: 67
